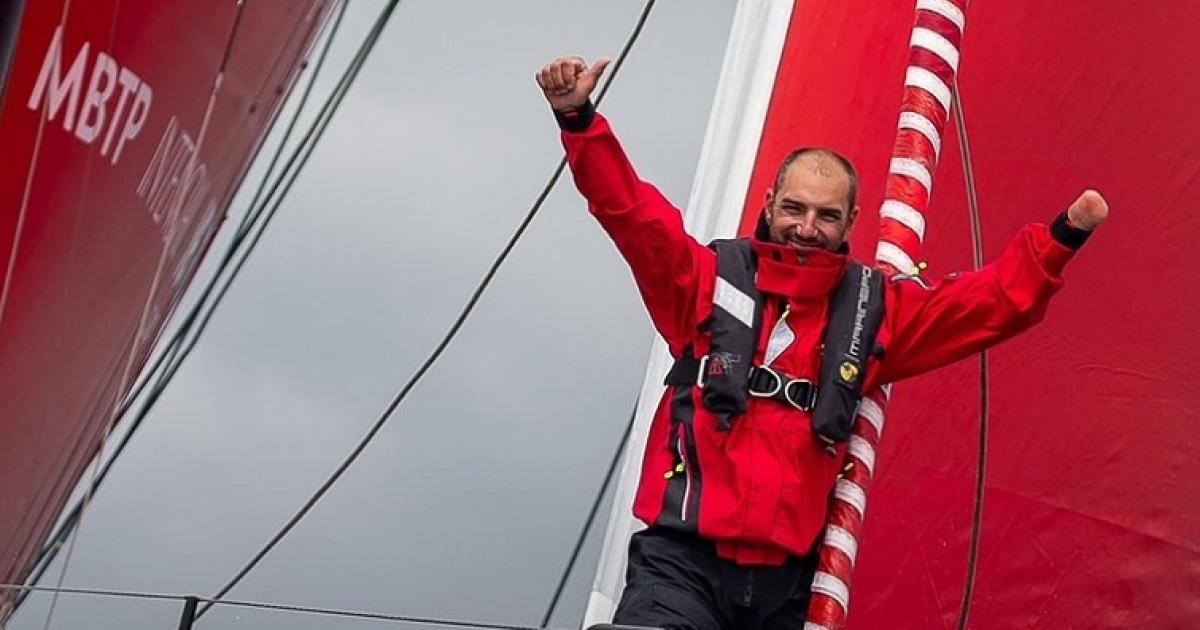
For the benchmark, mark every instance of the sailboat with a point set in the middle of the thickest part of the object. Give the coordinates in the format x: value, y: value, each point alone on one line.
x: 1087, y: 516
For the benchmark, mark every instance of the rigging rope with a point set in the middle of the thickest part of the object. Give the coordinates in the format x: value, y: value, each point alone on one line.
x: 170, y: 359
x: 273, y: 606
x: 321, y: 123
x: 441, y: 346
x: 591, y: 518
x: 984, y: 386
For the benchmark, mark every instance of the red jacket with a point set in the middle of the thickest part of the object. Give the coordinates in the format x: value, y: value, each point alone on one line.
x: 761, y: 491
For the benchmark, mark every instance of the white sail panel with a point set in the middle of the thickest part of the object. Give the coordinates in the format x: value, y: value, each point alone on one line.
x: 714, y: 210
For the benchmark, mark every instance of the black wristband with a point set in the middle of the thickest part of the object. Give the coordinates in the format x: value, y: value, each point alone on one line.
x: 1068, y: 235
x: 578, y: 119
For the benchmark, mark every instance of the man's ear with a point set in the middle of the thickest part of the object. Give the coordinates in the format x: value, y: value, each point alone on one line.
x: 851, y: 218
x: 769, y: 205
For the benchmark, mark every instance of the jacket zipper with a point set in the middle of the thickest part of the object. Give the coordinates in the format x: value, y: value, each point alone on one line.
x: 681, y: 449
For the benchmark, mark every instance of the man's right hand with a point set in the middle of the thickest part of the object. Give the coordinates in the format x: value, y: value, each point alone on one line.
x: 568, y: 82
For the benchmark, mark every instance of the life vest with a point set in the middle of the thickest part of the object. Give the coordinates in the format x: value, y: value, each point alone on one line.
x: 727, y: 375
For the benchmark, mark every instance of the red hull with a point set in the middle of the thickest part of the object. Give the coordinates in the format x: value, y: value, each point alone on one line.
x: 104, y: 214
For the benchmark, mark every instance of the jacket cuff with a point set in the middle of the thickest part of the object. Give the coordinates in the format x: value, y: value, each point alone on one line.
x: 576, y: 120
x: 1067, y: 234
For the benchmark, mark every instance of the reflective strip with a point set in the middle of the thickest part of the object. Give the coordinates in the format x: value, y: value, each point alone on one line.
x: 833, y: 586
x: 886, y: 252
x: 808, y: 625
x: 946, y: 9
x: 842, y: 540
x: 922, y: 125
x: 849, y: 493
x: 873, y: 413
x: 936, y: 44
x: 914, y: 169
x: 904, y: 214
x: 863, y: 450
x: 734, y: 302
x: 781, y: 337
x: 926, y: 80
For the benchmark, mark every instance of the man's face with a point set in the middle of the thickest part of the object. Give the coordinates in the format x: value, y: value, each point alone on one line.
x: 810, y: 210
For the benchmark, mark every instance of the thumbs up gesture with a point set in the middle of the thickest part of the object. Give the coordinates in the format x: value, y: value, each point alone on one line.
x: 1088, y: 211
x: 568, y: 82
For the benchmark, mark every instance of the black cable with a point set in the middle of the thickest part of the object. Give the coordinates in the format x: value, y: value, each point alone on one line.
x: 334, y: 612
x: 438, y: 350
x: 453, y: 623
x: 984, y: 386
x: 591, y: 518
x: 171, y: 357
x: 322, y: 122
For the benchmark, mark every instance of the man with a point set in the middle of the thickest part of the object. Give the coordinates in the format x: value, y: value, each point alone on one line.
x: 735, y: 483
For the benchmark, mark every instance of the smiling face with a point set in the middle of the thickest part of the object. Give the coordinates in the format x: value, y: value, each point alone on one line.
x: 812, y: 204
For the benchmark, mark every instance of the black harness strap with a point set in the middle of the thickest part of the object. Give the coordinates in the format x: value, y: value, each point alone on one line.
x: 855, y: 315
x: 725, y: 373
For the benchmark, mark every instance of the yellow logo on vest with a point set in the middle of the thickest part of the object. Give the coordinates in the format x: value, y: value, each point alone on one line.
x: 848, y: 371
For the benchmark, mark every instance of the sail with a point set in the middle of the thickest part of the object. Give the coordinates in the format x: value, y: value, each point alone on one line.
x: 1089, y: 517
x: 120, y: 161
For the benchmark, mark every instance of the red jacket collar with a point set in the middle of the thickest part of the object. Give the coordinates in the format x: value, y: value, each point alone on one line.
x: 780, y: 271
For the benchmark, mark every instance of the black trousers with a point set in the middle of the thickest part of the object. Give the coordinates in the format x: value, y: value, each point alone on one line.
x: 676, y: 581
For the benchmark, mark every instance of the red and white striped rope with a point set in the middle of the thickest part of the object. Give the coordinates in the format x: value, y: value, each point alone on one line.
x: 932, y: 64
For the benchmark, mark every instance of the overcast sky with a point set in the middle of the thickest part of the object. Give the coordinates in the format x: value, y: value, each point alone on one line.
x: 468, y: 503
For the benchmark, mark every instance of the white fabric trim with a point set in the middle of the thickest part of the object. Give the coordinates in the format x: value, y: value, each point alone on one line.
x: 925, y: 127
x: 735, y: 125
x: 914, y: 169
x: 936, y: 44
x: 914, y: 278
x: 739, y: 112
x: 843, y: 541
x: 863, y: 450
x: 849, y: 493
x: 919, y: 77
x: 890, y: 253
x: 833, y: 586
x: 808, y: 625
x: 734, y: 302
x: 905, y: 214
x: 945, y: 9
x: 871, y: 411
x: 781, y: 337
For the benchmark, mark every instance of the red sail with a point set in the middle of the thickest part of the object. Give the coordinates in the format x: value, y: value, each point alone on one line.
x: 1091, y: 518
x: 105, y: 211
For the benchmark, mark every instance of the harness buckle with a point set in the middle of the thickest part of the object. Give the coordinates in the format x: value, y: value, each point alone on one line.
x: 702, y: 372
x: 776, y: 384
x: 805, y: 399
x: 767, y: 382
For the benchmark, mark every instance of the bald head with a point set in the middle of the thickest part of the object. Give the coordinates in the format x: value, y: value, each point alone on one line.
x: 821, y: 162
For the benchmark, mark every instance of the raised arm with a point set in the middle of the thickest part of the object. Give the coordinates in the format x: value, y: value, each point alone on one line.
x: 929, y: 327
x: 673, y: 272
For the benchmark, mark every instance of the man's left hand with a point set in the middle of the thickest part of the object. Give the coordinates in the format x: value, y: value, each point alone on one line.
x: 1088, y: 211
